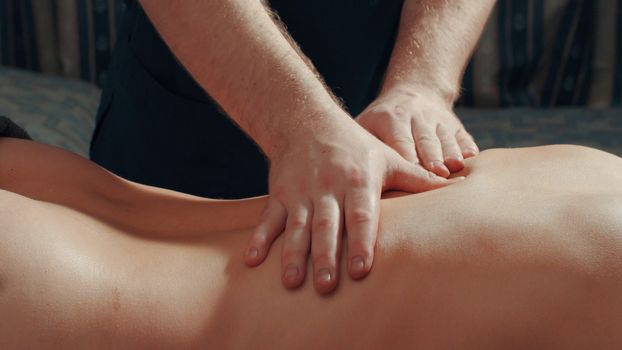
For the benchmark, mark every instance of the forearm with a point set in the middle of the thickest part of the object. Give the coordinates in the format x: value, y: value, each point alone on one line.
x: 245, y: 61
x: 434, y: 42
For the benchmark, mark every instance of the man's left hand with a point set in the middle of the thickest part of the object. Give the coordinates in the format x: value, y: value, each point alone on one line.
x: 422, y: 127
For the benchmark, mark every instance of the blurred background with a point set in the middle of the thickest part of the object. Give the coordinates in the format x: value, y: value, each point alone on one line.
x: 545, y: 71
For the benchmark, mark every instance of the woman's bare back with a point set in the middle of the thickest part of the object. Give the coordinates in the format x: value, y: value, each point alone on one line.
x: 526, y: 252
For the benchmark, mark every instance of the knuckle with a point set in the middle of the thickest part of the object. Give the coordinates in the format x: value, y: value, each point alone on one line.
x: 325, y: 224
x: 297, y: 222
x: 360, y: 216
x: 450, y: 144
x: 326, y: 181
x: 396, y: 114
x: 444, y: 138
x: 423, y: 138
x: 357, y: 178
x: 453, y: 147
x: 403, y: 141
x: 443, y: 134
x: 400, y: 112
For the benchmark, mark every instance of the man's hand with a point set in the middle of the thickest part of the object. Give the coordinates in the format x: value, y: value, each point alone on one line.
x: 421, y: 127
x: 413, y: 113
x: 317, y: 183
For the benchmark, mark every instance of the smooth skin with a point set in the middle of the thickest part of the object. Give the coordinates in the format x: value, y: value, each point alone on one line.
x: 534, y: 263
x: 327, y: 171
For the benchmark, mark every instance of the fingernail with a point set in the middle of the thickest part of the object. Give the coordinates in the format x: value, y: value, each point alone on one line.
x: 357, y: 264
x: 471, y: 150
x: 457, y: 158
x: 253, y: 252
x: 323, y: 276
x: 291, y: 272
x: 436, y: 164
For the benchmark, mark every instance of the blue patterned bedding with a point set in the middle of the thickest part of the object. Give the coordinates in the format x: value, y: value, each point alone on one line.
x: 522, y: 127
x: 53, y: 110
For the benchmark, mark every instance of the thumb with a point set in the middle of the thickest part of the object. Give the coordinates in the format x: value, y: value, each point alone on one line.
x: 408, y: 177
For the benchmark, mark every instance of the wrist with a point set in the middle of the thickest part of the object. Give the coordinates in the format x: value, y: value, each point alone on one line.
x: 445, y: 93
x: 303, y: 128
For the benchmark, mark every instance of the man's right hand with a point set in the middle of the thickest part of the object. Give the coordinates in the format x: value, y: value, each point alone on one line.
x: 318, y: 182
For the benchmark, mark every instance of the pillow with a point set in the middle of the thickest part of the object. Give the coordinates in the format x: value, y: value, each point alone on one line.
x: 53, y: 110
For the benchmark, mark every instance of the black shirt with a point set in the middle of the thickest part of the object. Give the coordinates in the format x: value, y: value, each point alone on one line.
x: 157, y: 126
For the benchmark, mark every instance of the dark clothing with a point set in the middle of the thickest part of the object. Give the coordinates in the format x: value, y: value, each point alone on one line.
x: 8, y: 128
x: 156, y: 126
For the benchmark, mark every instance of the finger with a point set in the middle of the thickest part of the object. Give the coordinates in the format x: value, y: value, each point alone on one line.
x: 466, y: 143
x: 297, y: 240
x: 400, y: 138
x: 429, y: 148
x: 325, y: 238
x: 404, y: 176
x: 452, y: 155
x: 404, y: 147
x: 361, y: 214
x: 270, y: 226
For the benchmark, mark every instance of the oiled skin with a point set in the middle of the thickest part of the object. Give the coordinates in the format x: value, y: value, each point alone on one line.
x: 524, y: 253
